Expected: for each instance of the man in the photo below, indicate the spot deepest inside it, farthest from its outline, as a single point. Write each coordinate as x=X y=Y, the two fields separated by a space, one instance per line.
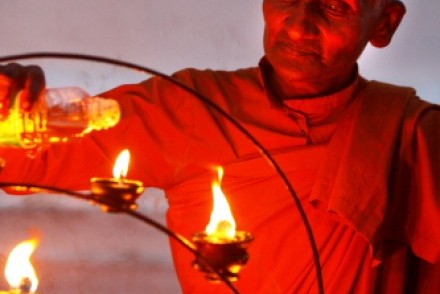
x=363 y=156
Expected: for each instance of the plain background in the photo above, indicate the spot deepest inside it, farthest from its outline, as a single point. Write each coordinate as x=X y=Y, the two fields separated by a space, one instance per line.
x=84 y=251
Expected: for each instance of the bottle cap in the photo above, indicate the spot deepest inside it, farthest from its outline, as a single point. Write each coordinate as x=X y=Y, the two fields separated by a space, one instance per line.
x=102 y=113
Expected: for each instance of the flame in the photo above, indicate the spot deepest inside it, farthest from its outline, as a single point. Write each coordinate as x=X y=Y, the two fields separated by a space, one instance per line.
x=18 y=266
x=222 y=223
x=120 y=169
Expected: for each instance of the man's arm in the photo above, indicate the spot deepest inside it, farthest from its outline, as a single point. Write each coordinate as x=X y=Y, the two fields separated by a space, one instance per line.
x=422 y=154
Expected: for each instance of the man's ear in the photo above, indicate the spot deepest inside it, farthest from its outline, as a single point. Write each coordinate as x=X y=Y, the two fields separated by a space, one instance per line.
x=387 y=24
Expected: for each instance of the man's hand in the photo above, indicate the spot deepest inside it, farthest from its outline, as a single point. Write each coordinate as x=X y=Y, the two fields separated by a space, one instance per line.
x=15 y=78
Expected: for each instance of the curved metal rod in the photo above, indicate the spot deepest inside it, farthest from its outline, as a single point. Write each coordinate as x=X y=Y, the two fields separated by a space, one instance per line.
x=34 y=188
x=260 y=147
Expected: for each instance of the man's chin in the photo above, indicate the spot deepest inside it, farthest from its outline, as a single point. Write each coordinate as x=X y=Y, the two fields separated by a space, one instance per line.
x=303 y=71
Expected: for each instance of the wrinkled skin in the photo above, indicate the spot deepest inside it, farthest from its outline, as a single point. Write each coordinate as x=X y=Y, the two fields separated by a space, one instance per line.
x=313 y=45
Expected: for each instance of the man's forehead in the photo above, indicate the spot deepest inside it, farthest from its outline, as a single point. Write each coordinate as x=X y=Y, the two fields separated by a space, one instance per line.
x=354 y=2
x=367 y=3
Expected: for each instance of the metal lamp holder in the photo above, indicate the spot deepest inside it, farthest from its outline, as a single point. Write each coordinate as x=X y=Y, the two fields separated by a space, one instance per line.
x=203 y=261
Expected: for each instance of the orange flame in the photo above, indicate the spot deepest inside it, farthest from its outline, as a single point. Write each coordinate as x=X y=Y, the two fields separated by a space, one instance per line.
x=120 y=169
x=222 y=223
x=18 y=266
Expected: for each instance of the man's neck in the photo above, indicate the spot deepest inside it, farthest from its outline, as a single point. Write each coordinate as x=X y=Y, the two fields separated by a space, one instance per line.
x=284 y=87
x=289 y=88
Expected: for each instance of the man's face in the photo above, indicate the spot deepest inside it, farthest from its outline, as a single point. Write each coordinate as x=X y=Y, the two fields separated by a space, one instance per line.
x=312 y=39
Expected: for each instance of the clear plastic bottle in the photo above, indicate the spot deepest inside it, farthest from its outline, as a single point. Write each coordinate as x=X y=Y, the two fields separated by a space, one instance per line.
x=60 y=115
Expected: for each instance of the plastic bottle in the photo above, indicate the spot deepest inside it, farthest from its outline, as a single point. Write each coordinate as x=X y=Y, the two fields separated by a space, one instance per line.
x=60 y=115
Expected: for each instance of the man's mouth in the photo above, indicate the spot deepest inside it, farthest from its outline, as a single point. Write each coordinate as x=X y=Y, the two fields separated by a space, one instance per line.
x=300 y=50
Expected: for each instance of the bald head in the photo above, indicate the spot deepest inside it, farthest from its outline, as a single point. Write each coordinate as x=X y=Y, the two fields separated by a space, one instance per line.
x=378 y=4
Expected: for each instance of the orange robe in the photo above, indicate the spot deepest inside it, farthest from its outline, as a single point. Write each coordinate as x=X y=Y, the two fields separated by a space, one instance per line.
x=370 y=191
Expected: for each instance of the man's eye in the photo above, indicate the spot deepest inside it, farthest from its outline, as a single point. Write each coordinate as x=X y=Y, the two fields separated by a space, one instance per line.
x=334 y=7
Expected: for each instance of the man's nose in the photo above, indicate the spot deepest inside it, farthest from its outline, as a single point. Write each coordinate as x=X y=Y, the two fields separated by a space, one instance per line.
x=302 y=21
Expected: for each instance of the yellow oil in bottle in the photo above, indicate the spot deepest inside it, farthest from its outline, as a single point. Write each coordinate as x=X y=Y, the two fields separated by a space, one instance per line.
x=43 y=126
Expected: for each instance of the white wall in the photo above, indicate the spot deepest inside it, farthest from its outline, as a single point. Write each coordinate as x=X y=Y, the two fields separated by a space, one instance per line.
x=413 y=58
x=172 y=34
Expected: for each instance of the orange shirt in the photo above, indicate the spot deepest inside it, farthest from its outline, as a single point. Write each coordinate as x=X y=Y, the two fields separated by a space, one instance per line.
x=176 y=141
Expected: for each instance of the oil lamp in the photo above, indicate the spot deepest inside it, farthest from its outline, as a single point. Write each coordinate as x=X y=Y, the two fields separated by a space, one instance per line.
x=19 y=271
x=220 y=245
x=118 y=191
